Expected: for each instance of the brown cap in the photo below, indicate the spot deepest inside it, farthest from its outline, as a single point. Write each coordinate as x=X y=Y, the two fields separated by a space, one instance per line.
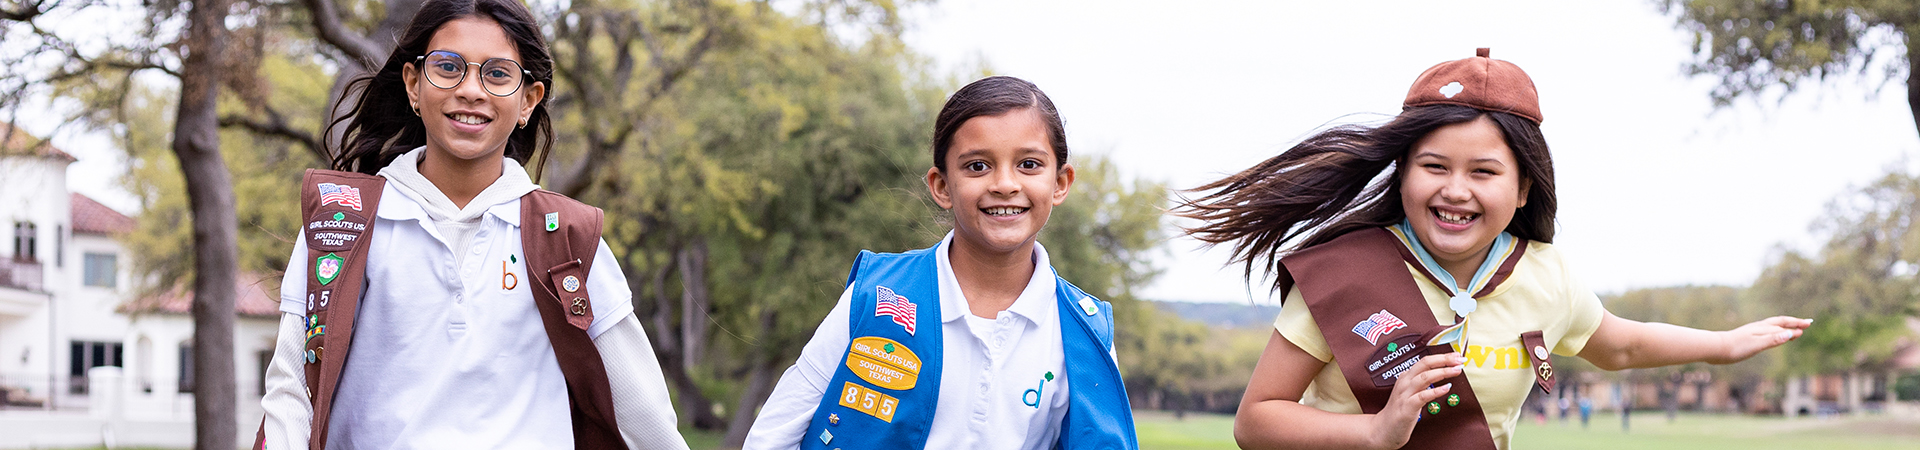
x=1480 y=82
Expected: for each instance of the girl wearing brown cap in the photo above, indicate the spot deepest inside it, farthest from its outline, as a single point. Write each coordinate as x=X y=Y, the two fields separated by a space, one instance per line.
x=1448 y=255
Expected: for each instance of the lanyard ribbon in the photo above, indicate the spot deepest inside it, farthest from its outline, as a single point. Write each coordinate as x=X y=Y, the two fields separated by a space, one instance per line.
x=1461 y=299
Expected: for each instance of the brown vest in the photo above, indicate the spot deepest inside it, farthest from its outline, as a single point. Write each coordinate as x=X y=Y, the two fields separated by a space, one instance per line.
x=1376 y=322
x=340 y=206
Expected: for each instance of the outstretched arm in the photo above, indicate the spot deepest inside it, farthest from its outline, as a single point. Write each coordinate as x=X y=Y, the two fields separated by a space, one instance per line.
x=1629 y=344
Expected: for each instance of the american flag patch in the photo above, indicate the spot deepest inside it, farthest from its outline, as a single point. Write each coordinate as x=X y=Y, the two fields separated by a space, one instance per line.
x=889 y=304
x=345 y=195
x=1377 y=325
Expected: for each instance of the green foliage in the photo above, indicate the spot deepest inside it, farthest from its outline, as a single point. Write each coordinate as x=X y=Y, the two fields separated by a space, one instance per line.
x=1907 y=387
x=1175 y=364
x=784 y=156
x=1861 y=285
x=1751 y=46
x=1104 y=238
x=140 y=119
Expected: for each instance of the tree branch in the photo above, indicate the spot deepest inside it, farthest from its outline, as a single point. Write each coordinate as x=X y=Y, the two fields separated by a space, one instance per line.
x=605 y=139
x=326 y=21
x=277 y=126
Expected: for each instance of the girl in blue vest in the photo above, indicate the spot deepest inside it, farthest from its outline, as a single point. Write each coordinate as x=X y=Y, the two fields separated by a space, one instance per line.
x=974 y=342
x=1452 y=204
x=448 y=348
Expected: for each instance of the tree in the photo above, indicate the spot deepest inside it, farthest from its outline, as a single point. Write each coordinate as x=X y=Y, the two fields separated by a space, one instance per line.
x=195 y=55
x=1753 y=46
x=1861 y=285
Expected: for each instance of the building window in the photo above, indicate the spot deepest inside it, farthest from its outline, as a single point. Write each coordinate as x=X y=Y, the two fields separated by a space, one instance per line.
x=87 y=355
x=265 y=357
x=59 y=245
x=186 y=369
x=101 y=269
x=23 y=234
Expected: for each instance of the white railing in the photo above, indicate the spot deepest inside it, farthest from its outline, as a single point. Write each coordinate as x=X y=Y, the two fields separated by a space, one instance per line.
x=20 y=274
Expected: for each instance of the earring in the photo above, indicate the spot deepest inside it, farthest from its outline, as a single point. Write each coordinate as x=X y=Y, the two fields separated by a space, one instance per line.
x=523 y=124
x=416 y=111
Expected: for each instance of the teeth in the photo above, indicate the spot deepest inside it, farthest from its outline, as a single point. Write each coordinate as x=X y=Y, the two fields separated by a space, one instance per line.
x=468 y=119
x=1004 y=211
x=1455 y=218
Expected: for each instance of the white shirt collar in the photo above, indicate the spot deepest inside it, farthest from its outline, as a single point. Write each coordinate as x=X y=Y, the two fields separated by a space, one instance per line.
x=503 y=194
x=1035 y=302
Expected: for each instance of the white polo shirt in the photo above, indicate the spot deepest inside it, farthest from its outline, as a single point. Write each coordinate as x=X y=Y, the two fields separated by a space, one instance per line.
x=994 y=391
x=452 y=357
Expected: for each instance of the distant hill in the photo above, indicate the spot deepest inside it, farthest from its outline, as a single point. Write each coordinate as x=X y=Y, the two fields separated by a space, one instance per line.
x=1228 y=315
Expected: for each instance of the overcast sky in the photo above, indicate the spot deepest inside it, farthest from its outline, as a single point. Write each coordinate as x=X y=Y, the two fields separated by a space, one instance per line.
x=1656 y=187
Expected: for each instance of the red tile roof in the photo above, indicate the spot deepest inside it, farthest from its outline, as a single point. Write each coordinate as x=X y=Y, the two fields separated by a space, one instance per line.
x=92 y=217
x=16 y=142
x=253 y=300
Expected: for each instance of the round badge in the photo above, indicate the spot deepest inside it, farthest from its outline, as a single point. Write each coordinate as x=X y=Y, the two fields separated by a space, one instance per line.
x=570 y=283
x=1453 y=399
x=1539 y=352
x=1433 y=407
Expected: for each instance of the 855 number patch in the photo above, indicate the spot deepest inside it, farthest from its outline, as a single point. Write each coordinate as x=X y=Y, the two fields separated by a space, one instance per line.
x=869 y=401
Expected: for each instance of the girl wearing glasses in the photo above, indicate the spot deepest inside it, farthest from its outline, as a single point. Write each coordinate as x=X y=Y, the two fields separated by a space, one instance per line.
x=415 y=260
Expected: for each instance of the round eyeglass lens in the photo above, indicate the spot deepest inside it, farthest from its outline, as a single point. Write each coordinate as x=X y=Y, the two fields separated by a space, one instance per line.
x=501 y=77
x=445 y=69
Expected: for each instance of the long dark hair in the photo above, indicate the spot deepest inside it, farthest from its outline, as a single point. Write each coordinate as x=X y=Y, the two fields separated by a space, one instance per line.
x=381 y=126
x=993 y=96
x=1326 y=186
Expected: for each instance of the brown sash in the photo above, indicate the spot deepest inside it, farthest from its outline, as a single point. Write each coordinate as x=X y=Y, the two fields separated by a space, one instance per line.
x=1376 y=322
x=339 y=209
x=340 y=222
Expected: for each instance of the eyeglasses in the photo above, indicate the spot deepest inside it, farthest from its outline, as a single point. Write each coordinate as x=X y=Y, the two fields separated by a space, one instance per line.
x=499 y=76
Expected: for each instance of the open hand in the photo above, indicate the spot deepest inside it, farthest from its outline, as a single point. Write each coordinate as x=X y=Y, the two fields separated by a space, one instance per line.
x=1393 y=425
x=1742 y=343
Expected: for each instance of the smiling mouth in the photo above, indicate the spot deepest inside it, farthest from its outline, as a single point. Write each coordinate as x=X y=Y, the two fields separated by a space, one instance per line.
x=1004 y=211
x=1454 y=219
x=469 y=119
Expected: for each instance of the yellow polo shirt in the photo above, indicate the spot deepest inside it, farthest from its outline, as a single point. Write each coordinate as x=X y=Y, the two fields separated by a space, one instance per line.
x=1541 y=294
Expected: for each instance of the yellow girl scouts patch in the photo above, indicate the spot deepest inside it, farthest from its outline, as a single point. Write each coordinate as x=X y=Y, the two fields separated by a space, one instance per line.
x=883 y=362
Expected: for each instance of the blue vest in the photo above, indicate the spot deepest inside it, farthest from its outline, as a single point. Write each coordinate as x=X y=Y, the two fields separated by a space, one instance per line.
x=883 y=393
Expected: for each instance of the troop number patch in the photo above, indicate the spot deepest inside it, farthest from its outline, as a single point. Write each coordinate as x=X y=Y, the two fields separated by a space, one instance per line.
x=871 y=402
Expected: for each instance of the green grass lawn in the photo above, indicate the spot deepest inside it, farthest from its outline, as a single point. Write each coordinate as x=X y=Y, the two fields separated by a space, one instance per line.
x=1651 y=431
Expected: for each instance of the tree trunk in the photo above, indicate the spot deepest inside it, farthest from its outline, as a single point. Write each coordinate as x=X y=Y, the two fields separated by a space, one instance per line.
x=1913 y=76
x=697 y=409
x=196 y=143
x=693 y=302
x=1893 y=395
x=1670 y=396
x=759 y=386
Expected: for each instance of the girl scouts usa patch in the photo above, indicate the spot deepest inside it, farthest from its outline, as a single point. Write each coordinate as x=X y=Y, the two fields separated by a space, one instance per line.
x=883 y=362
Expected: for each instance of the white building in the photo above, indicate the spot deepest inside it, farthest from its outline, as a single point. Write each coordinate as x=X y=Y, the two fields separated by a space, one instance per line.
x=69 y=302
